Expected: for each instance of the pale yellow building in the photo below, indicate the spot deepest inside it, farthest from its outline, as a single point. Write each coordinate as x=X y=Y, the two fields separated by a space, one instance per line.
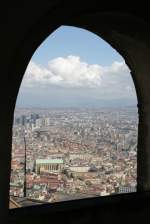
x=49 y=165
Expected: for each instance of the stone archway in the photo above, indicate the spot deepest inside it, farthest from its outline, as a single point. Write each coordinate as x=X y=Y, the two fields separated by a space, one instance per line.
x=120 y=31
x=128 y=35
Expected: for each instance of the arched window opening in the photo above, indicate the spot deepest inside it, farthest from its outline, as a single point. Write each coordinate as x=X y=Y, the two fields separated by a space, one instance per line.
x=75 y=123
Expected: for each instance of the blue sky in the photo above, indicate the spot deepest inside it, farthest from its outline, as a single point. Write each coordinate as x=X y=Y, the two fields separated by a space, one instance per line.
x=68 y=40
x=74 y=67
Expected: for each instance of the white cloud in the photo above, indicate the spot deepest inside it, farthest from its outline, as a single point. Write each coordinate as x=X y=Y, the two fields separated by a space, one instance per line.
x=67 y=72
x=72 y=72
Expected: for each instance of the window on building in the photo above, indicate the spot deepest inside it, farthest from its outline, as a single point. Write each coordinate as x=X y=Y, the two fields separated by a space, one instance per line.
x=75 y=122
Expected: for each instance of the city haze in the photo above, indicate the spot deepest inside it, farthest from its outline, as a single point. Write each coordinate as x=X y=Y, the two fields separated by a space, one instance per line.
x=75 y=122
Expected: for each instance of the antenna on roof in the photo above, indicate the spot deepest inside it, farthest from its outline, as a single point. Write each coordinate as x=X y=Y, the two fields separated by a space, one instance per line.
x=25 y=156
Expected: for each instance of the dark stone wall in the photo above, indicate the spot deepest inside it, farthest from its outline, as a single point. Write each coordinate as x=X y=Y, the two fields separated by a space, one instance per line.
x=129 y=208
x=23 y=27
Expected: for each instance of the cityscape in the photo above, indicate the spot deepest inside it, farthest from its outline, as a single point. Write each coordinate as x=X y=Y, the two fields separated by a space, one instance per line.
x=61 y=154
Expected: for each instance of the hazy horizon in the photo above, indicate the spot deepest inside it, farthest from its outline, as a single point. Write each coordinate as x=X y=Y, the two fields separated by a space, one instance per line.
x=74 y=107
